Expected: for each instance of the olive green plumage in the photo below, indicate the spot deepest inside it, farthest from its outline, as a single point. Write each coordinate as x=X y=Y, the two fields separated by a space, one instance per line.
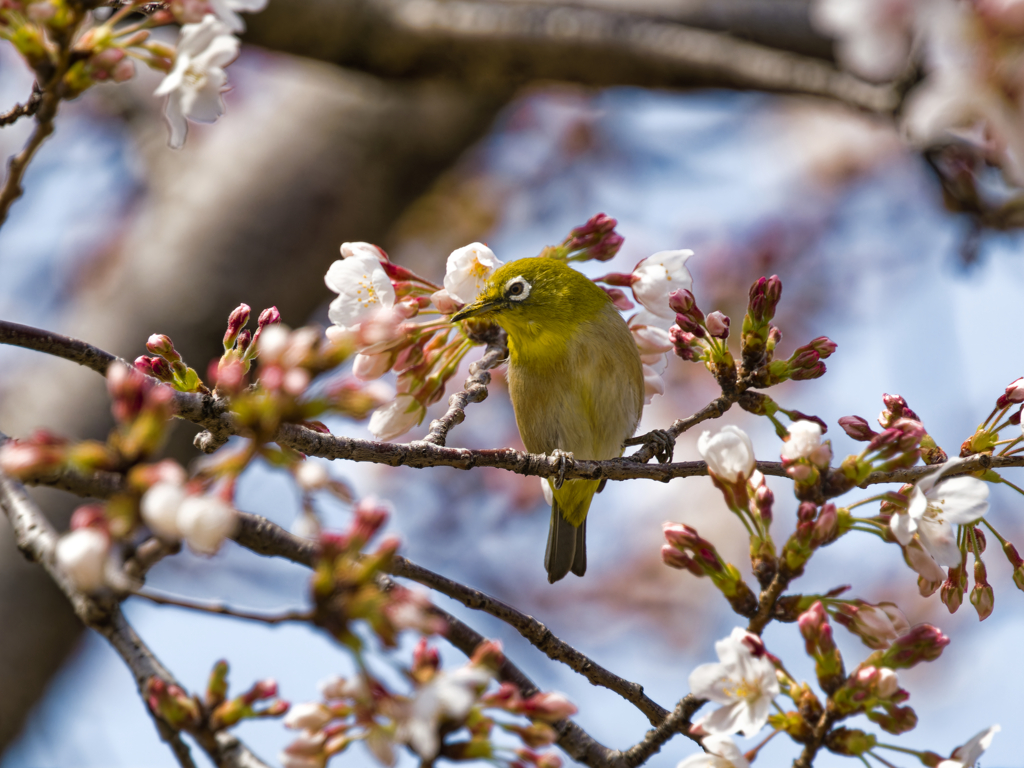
x=575 y=380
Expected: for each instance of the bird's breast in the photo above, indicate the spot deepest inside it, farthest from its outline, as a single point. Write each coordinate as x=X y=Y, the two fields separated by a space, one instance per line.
x=580 y=392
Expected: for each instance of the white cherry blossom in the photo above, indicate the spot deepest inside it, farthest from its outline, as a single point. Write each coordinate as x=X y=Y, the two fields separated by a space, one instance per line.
x=194 y=86
x=227 y=11
x=729 y=453
x=82 y=555
x=657 y=276
x=873 y=37
x=804 y=442
x=447 y=697
x=205 y=521
x=363 y=289
x=396 y=418
x=468 y=270
x=160 y=505
x=722 y=752
x=348 y=250
x=937 y=505
x=742 y=683
x=967 y=755
x=310 y=716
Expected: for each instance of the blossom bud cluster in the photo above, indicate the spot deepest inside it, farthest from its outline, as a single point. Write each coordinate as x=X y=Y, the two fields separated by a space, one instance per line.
x=345 y=585
x=685 y=549
x=258 y=702
x=167 y=366
x=805 y=363
x=820 y=646
x=805 y=456
x=597 y=240
x=763 y=299
x=440 y=703
x=203 y=520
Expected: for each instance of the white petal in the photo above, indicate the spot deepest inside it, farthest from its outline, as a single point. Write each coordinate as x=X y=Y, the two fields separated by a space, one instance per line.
x=921 y=561
x=730 y=718
x=175 y=117
x=206 y=103
x=939 y=539
x=226 y=13
x=903 y=527
x=708 y=681
x=159 y=509
x=363 y=288
x=963 y=499
x=657 y=276
x=396 y=418
x=468 y=270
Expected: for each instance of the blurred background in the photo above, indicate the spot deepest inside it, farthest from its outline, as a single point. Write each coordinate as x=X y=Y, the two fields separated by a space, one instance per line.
x=342 y=128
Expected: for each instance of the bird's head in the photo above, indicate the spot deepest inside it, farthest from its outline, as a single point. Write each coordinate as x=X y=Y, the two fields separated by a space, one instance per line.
x=535 y=291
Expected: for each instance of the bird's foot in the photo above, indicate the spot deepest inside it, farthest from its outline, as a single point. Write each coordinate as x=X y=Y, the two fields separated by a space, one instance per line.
x=660 y=441
x=563 y=457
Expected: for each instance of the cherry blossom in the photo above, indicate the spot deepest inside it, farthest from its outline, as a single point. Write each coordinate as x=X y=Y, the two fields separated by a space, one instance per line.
x=205 y=521
x=363 y=289
x=227 y=11
x=194 y=86
x=967 y=755
x=744 y=684
x=805 y=443
x=449 y=696
x=873 y=37
x=396 y=418
x=310 y=716
x=82 y=555
x=657 y=276
x=160 y=505
x=729 y=453
x=467 y=271
x=722 y=752
x=935 y=507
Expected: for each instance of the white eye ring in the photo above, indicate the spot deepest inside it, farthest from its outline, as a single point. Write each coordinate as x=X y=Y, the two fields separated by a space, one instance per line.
x=521 y=281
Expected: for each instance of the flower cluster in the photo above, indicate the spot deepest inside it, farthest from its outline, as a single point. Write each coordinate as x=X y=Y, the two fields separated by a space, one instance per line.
x=346 y=584
x=397 y=321
x=106 y=50
x=970 y=52
x=215 y=711
x=441 y=702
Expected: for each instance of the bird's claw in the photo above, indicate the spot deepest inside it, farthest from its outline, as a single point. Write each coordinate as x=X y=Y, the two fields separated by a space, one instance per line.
x=563 y=458
x=660 y=441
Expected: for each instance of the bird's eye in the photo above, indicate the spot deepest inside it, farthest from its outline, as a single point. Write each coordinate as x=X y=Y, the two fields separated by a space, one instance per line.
x=517 y=288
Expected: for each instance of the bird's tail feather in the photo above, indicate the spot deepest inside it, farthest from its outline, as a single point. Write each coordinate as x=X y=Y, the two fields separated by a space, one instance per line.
x=567 y=547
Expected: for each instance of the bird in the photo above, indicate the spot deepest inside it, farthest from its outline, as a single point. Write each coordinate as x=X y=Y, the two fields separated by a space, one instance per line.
x=575 y=380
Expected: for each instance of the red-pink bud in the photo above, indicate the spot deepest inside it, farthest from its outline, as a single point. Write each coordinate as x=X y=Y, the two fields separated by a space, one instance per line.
x=681 y=301
x=619 y=298
x=161 y=344
x=857 y=428
x=718 y=325
x=616 y=278
x=236 y=322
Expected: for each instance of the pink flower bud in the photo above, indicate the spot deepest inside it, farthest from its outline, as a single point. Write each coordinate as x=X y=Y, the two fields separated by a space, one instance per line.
x=857 y=428
x=681 y=301
x=619 y=279
x=425 y=657
x=488 y=654
x=763 y=298
x=619 y=298
x=308 y=717
x=236 y=322
x=269 y=316
x=922 y=643
x=549 y=707
x=445 y=304
x=718 y=325
x=370 y=516
x=161 y=344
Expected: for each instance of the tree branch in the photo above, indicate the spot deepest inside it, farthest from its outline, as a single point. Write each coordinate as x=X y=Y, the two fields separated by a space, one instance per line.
x=223 y=610
x=506 y=44
x=260 y=535
x=27 y=109
x=56 y=344
x=37 y=539
x=474 y=391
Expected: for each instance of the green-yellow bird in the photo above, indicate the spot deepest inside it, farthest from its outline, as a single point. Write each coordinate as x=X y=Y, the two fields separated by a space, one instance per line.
x=575 y=378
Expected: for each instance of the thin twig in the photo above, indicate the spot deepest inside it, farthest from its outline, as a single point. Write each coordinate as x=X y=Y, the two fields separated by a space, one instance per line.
x=769 y=597
x=27 y=109
x=474 y=391
x=536 y=633
x=678 y=720
x=37 y=539
x=260 y=535
x=223 y=610
x=713 y=410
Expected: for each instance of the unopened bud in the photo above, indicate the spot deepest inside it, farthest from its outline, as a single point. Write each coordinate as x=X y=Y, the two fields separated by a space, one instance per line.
x=922 y=643
x=718 y=325
x=236 y=322
x=161 y=344
x=857 y=428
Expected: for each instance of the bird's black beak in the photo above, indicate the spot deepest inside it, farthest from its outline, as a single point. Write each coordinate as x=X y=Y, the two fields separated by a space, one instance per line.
x=475 y=309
